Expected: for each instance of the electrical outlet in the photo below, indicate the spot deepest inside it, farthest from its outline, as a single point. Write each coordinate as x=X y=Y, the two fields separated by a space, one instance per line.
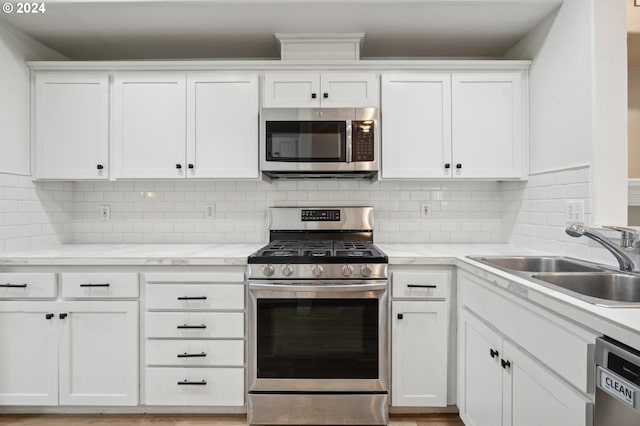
x=210 y=211
x=105 y=213
x=425 y=210
x=574 y=212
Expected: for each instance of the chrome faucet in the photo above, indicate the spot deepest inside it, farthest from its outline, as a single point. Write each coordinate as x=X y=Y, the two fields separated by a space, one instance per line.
x=628 y=248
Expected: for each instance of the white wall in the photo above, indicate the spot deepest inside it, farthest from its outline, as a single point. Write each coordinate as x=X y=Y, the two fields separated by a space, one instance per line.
x=15 y=49
x=578 y=98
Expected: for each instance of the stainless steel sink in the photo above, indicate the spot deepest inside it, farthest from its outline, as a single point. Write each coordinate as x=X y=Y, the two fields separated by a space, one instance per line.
x=537 y=264
x=599 y=288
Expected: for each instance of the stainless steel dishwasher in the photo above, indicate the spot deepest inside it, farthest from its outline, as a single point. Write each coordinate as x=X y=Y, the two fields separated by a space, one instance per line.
x=617 y=384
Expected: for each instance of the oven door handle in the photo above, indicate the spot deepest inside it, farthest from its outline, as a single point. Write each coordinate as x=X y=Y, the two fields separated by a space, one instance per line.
x=320 y=288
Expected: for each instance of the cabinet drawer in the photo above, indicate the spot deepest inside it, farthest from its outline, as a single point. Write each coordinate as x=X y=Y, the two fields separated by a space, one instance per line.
x=195 y=324
x=431 y=285
x=195 y=296
x=196 y=352
x=215 y=386
x=27 y=286
x=99 y=285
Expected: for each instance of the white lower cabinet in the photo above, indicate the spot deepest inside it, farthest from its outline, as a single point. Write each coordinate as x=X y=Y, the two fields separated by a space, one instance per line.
x=502 y=384
x=69 y=353
x=419 y=337
x=194 y=331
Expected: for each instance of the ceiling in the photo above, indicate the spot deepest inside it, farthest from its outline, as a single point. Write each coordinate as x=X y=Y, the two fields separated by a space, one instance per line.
x=160 y=29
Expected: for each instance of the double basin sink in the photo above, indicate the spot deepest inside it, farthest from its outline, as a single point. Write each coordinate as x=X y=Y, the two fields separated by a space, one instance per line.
x=587 y=281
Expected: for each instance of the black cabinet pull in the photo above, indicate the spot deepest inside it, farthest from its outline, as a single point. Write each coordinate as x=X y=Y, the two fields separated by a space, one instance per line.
x=48 y=316
x=493 y=353
x=458 y=166
x=186 y=382
x=9 y=285
x=178 y=166
x=505 y=364
x=422 y=286
x=186 y=355
x=62 y=316
x=95 y=285
x=192 y=298
x=400 y=316
x=192 y=326
x=313 y=96
x=100 y=167
x=325 y=95
x=191 y=166
x=447 y=165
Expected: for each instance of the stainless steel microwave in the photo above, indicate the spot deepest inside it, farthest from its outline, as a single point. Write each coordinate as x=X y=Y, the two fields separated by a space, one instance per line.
x=319 y=142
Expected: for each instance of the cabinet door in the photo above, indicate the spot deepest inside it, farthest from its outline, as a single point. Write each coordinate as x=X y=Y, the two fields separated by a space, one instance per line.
x=149 y=125
x=291 y=90
x=419 y=345
x=479 y=372
x=416 y=125
x=349 y=90
x=534 y=396
x=487 y=125
x=222 y=111
x=71 y=126
x=28 y=354
x=99 y=353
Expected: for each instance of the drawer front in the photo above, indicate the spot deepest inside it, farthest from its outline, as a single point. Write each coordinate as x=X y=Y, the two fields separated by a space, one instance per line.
x=227 y=353
x=194 y=277
x=205 y=386
x=195 y=296
x=201 y=325
x=28 y=286
x=425 y=285
x=99 y=285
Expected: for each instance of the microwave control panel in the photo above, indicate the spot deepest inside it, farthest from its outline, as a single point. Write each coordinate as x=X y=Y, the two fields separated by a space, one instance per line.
x=363 y=143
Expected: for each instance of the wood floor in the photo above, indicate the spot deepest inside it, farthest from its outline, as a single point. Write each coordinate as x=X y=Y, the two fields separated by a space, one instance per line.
x=189 y=420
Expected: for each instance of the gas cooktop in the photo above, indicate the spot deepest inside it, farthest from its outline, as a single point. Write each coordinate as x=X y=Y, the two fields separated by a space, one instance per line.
x=318 y=251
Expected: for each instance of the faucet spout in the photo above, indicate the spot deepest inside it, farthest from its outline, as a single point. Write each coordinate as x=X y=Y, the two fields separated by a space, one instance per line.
x=575 y=230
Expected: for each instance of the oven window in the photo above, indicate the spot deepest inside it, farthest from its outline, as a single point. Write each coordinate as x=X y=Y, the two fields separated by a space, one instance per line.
x=317 y=338
x=306 y=141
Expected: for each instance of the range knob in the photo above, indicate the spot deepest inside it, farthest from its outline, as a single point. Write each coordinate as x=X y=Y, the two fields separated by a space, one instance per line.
x=317 y=270
x=268 y=270
x=347 y=270
x=365 y=270
x=287 y=270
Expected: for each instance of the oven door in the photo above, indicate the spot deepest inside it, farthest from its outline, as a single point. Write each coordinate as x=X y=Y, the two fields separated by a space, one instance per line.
x=318 y=337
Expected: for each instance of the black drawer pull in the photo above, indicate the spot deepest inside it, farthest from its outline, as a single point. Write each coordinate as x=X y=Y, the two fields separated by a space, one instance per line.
x=95 y=285
x=505 y=364
x=458 y=166
x=100 y=167
x=9 y=285
x=192 y=298
x=493 y=353
x=192 y=326
x=48 y=316
x=325 y=95
x=186 y=382
x=313 y=96
x=422 y=286
x=400 y=316
x=62 y=316
x=447 y=165
x=186 y=355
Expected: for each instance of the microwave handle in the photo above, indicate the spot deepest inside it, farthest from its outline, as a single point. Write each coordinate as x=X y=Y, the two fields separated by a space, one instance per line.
x=349 y=147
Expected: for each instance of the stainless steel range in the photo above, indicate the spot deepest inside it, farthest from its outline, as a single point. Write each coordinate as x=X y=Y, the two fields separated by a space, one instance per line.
x=318 y=320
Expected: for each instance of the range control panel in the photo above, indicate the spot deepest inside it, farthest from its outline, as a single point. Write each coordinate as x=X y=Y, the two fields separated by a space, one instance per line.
x=320 y=215
x=363 y=143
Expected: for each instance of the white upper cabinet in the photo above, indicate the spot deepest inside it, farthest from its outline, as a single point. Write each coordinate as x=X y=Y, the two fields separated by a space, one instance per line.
x=222 y=125
x=416 y=125
x=314 y=90
x=149 y=124
x=71 y=126
x=461 y=125
x=487 y=116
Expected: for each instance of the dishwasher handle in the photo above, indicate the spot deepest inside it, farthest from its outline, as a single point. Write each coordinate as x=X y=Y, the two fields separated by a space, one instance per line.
x=618 y=387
